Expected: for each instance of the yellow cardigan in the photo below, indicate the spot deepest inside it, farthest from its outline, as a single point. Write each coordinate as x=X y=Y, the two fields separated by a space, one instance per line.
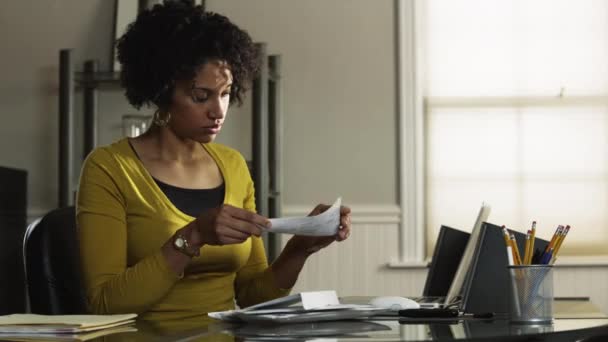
x=124 y=219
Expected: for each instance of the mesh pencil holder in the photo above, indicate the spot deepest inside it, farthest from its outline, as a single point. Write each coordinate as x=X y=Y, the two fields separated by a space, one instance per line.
x=531 y=294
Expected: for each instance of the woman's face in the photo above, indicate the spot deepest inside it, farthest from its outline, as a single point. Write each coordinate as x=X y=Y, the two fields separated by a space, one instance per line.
x=199 y=107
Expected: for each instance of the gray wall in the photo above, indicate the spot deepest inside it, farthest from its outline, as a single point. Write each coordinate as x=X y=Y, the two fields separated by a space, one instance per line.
x=339 y=93
x=32 y=32
x=339 y=84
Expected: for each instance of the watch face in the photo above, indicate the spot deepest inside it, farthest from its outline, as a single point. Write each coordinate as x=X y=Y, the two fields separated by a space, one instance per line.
x=179 y=242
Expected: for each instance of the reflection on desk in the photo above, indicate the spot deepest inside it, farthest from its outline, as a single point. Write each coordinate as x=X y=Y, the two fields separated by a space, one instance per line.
x=582 y=322
x=196 y=330
x=308 y=330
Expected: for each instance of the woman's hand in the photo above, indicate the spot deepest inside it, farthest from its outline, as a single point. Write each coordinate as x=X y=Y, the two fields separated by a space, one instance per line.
x=312 y=244
x=226 y=225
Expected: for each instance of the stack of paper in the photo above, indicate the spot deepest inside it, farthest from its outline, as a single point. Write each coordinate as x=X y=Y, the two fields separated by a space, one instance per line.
x=27 y=327
x=316 y=306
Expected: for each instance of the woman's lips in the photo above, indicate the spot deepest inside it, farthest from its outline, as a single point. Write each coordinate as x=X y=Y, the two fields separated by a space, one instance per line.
x=212 y=129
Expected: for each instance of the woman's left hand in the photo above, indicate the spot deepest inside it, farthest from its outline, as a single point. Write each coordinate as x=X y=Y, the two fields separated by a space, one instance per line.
x=312 y=244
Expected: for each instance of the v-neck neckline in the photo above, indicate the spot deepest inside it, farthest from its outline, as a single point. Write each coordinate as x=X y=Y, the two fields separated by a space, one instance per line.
x=154 y=186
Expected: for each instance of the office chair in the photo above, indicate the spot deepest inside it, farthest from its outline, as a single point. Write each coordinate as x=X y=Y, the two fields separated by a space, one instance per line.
x=52 y=264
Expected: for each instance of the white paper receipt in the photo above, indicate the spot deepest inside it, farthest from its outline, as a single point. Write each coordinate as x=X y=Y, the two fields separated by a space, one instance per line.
x=325 y=224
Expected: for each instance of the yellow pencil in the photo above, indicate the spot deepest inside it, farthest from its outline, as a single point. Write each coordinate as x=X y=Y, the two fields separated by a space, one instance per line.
x=505 y=235
x=515 y=250
x=510 y=252
x=527 y=250
x=532 y=240
x=554 y=238
x=559 y=243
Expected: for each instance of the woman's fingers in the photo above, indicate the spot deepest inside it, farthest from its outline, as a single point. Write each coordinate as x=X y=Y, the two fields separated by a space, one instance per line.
x=243 y=227
x=248 y=216
x=345 y=224
x=230 y=232
x=344 y=210
x=235 y=225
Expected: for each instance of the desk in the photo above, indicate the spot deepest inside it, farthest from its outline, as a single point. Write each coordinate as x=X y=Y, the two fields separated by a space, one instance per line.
x=588 y=323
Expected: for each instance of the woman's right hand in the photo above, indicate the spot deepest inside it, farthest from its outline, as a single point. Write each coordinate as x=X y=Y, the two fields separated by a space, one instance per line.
x=227 y=224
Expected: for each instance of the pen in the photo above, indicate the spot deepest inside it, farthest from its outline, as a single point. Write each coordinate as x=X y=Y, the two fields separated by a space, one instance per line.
x=427 y=313
x=546 y=257
x=442 y=313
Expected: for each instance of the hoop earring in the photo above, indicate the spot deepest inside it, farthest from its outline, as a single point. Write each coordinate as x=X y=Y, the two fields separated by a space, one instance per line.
x=161 y=122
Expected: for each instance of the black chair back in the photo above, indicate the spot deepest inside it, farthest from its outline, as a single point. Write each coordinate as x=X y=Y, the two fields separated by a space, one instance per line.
x=52 y=265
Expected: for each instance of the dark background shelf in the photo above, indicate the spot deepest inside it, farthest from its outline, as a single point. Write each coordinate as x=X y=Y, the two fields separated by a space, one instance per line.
x=95 y=77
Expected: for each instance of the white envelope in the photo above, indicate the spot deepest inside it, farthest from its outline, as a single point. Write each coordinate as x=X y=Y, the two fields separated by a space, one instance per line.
x=325 y=224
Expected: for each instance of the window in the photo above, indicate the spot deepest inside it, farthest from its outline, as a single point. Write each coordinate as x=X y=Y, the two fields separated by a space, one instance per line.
x=514 y=112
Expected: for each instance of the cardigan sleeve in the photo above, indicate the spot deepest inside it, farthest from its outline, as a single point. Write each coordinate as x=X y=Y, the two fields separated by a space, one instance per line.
x=111 y=286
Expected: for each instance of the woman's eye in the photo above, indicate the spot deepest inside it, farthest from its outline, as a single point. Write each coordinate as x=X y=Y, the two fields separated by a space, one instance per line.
x=199 y=95
x=226 y=94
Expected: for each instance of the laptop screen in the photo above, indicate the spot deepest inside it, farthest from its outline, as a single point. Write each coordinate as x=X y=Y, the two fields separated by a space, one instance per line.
x=449 y=249
x=465 y=263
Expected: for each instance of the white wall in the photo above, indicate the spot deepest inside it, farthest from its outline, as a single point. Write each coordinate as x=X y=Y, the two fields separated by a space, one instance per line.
x=339 y=85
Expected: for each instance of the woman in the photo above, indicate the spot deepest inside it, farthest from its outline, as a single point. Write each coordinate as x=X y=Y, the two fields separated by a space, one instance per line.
x=167 y=220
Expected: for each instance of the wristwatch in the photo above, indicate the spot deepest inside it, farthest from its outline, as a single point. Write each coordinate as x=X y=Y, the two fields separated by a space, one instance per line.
x=180 y=244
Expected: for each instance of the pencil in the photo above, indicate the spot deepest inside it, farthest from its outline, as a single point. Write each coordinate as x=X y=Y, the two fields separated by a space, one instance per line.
x=505 y=235
x=553 y=240
x=559 y=243
x=532 y=240
x=551 y=244
x=510 y=253
x=515 y=250
x=527 y=249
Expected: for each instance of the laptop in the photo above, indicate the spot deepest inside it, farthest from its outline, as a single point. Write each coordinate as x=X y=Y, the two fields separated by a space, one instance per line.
x=449 y=247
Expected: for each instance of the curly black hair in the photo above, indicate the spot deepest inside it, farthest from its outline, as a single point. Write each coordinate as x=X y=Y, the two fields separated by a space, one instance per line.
x=170 y=41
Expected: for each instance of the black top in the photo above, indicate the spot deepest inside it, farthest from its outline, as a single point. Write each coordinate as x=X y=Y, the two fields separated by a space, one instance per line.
x=190 y=201
x=193 y=201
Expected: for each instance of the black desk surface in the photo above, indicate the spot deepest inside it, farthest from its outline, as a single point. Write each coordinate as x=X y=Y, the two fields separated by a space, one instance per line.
x=575 y=321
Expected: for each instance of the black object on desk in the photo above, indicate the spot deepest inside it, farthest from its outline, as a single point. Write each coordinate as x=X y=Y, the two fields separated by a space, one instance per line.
x=429 y=313
x=449 y=249
x=486 y=287
x=13 y=204
x=439 y=315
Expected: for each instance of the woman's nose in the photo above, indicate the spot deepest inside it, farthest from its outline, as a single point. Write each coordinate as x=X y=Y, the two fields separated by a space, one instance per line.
x=216 y=110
